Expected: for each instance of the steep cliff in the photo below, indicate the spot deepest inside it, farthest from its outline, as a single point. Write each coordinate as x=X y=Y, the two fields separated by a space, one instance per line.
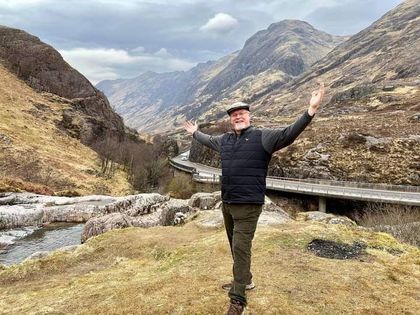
x=43 y=68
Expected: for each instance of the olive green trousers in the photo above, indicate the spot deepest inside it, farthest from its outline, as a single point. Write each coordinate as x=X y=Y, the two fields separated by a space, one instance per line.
x=240 y=223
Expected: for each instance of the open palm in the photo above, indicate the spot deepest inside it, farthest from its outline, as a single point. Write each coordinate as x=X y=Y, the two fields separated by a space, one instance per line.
x=190 y=127
x=316 y=99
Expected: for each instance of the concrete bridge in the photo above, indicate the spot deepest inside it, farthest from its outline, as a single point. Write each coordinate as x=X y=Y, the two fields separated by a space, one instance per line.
x=396 y=194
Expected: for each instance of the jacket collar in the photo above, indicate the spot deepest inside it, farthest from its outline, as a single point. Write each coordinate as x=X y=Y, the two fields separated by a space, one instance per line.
x=243 y=131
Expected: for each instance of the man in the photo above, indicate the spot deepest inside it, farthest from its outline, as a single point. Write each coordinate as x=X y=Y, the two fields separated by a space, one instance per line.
x=245 y=154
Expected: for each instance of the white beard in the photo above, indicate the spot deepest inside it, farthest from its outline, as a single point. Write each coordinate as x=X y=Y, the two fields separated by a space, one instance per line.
x=240 y=126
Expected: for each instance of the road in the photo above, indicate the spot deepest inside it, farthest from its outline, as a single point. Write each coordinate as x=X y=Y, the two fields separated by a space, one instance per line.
x=406 y=195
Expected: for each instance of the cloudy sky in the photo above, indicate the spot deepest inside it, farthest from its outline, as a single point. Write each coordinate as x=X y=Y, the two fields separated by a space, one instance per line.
x=110 y=39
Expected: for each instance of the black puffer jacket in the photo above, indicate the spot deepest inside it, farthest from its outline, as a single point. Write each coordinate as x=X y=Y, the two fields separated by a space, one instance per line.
x=245 y=158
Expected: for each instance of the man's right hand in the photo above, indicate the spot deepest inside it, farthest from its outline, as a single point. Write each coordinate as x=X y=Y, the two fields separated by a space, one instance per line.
x=190 y=127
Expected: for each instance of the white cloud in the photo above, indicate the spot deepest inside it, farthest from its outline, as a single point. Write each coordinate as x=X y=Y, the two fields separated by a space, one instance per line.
x=221 y=22
x=139 y=49
x=163 y=53
x=107 y=64
x=120 y=27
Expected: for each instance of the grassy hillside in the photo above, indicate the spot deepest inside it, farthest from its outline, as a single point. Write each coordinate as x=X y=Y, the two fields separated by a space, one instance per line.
x=35 y=155
x=179 y=270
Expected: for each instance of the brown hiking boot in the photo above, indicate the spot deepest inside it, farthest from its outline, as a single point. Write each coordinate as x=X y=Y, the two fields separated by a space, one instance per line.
x=228 y=286
x=236 y=308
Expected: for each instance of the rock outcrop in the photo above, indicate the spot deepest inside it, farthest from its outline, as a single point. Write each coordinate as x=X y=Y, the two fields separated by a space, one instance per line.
x=163 y=214
x=205 y=201
x=25 y=209
x=90 y=117
x=324 y=218
x=105 y=213
x=271 y=214
x=18 y=216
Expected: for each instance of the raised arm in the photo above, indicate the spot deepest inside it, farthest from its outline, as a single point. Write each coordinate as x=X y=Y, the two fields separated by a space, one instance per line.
x=275 y=139
x=213 y=142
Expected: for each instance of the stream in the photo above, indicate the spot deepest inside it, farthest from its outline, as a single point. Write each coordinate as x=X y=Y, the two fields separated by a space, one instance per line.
x=18 y=244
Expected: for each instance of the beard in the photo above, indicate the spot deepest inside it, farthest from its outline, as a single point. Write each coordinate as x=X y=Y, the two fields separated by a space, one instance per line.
x=240 y=126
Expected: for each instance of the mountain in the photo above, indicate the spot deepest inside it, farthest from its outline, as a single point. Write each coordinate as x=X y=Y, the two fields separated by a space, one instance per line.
x=141 y=99
x=368 y=127
x=90 y=117
x=155 y=102
x=48 y=113
x=288 y=47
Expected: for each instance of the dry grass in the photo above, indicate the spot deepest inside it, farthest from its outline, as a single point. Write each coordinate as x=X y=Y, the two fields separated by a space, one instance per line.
x=35 y=153
x=403 y=222
x=179 y=270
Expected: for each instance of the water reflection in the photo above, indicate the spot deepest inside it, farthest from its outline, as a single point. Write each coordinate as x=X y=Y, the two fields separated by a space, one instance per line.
x=48 y=238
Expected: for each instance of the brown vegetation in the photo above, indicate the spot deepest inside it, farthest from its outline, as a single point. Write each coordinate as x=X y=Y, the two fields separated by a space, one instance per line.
x=181 y=186
x=37 y=156
x=179 y=270
x=403 y=222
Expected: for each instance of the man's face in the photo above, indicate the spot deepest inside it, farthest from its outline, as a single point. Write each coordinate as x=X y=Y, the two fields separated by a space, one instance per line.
x=240 y=119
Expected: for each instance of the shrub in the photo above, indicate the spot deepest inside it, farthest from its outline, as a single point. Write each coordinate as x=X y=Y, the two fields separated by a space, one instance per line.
x=403 y=222
x=181 y=186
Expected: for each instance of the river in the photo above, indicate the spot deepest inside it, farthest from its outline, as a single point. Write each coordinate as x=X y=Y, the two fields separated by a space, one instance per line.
x=18 y=244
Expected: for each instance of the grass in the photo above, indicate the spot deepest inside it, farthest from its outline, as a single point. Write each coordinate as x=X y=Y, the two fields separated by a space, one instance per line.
x=179 y=270
x=403 y=222
x=35 y=140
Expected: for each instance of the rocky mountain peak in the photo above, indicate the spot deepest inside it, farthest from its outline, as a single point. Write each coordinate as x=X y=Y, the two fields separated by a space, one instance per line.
x=290 y=46
x=297 y=27
x=268 y=60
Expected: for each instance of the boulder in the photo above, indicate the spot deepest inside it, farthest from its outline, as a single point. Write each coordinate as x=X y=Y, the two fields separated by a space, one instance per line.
x=203 y=201
x=273 y=218
x=324 y=218
x=148 y=220
x=210 y=219
x=166 y=213
x=99 y=225
x=20 y=215
x=173 y=206
x=137 y=204
x=71 y=213
x=214 y=219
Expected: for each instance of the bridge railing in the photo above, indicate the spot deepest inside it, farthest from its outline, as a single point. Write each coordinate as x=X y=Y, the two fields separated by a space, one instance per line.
x=182 y=167
x=206 y=178
x=376 y=186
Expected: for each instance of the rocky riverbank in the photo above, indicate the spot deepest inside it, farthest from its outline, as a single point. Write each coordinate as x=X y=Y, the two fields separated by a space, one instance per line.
x=104 y=213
